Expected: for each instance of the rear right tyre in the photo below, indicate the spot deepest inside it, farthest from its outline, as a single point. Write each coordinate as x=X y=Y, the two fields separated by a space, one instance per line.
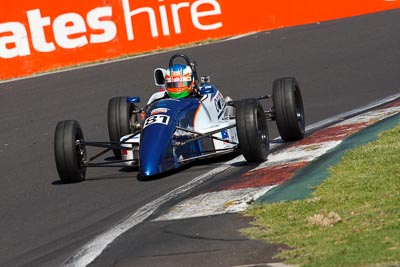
x=288 y=109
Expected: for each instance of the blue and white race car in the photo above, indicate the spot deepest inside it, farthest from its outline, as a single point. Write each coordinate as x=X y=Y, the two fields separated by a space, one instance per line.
x=169 y=132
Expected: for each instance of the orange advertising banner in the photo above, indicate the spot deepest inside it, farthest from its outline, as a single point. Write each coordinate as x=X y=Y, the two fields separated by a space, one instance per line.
x=41 y=35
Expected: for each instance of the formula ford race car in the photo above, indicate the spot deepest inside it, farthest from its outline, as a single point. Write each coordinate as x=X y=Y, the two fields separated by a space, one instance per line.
x=169 y=132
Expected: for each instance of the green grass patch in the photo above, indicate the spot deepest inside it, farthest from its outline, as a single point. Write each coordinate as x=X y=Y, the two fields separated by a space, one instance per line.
x=352 y=219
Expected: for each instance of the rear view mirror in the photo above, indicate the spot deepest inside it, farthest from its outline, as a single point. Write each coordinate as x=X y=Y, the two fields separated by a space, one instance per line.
x=134 y=99
x=205 y=80
x=159 y=76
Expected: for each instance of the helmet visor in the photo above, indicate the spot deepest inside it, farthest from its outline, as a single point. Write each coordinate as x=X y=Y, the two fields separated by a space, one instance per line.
x=179 y=85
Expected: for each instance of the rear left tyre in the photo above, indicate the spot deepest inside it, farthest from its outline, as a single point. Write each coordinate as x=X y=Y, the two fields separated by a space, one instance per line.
x=252 y=130
x=70 y=152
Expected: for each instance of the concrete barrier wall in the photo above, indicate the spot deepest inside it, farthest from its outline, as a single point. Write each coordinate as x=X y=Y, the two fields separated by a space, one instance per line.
x=39 y=35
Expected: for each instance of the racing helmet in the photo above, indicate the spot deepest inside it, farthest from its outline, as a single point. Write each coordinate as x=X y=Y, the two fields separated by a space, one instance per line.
x=179 y=81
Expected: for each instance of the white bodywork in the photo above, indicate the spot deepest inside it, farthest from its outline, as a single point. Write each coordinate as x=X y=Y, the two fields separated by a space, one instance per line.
x=214 y=114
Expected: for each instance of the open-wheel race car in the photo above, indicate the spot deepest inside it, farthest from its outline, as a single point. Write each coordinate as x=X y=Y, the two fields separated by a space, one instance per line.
x=187 y=120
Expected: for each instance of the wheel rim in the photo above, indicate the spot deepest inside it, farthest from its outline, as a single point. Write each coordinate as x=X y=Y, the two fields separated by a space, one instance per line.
x=80 y=155
x=264 y=138
x=262 y=132
x=299 y=107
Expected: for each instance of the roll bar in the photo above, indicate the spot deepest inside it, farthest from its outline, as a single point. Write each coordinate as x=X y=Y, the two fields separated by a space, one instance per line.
x=190 y=63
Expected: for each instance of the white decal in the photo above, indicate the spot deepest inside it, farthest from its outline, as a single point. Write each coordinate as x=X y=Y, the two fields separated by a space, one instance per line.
x=198 y=10
x=107 y=30
x=163 y=119
x=70 y=30
x=37 y=32
x=159 y=110
x=14 y=44
x=219 y=102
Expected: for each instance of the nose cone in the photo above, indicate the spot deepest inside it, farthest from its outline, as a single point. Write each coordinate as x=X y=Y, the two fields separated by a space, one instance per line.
x=156 y=158
x=156 y=152
x=149 y=168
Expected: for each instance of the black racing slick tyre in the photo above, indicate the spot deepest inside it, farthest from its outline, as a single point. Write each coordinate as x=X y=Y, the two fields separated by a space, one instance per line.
x=70 y=152
x=120 y=120
x=252 y=130
x=288 y=109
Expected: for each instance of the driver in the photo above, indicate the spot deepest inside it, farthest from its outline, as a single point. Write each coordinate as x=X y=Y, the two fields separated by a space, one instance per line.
x=179 y=81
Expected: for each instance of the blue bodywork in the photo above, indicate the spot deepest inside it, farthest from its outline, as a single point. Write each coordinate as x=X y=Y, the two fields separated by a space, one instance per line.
x=157 y=152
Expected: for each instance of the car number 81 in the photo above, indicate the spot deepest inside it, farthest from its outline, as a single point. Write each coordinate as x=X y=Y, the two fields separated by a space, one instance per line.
x=163 y=119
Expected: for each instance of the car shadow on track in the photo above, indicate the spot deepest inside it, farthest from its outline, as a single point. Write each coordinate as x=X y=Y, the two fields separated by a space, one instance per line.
x=113 y=176
x=133 y=172
x=199 y=163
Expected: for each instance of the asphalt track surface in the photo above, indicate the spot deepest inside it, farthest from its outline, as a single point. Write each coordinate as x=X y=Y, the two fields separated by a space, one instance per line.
x=340 y=65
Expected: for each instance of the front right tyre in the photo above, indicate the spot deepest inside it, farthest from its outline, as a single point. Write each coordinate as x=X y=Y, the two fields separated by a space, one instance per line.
x=252 y=130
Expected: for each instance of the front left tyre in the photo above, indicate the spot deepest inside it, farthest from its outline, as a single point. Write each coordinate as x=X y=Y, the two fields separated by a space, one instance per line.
x=70 y=151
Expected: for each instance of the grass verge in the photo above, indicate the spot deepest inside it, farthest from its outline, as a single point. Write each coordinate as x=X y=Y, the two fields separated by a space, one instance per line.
x=352 y=219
